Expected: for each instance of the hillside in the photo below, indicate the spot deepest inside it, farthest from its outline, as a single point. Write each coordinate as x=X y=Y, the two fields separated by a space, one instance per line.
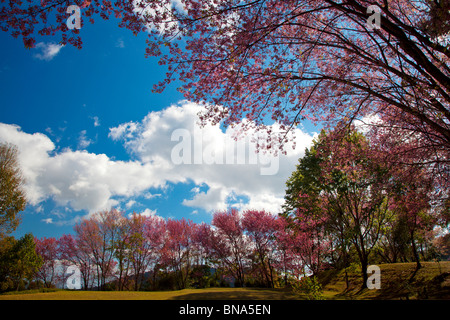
x=432 y=281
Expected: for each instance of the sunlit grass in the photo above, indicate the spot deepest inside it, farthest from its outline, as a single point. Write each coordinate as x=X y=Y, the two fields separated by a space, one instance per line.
x=185 y=294
x=430 y=282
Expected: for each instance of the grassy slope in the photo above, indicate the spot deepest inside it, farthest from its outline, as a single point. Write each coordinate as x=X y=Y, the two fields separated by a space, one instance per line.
x=432 y=281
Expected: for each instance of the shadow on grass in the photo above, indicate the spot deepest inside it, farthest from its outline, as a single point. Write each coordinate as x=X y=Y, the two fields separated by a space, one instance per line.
x=240 y=294
x=428 y=282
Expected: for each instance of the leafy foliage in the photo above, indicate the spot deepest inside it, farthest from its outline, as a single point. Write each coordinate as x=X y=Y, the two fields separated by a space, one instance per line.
x=19 y=262
x=12 y=195
x=310 y=287
x=286 y=60
x=253 y=62
x=347 y=194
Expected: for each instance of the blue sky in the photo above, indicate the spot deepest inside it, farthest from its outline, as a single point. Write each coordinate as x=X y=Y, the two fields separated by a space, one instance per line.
x=92 y=135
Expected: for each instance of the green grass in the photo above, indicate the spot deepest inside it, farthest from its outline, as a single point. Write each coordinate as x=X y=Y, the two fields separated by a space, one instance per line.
x=430 y=282
x=185 y=294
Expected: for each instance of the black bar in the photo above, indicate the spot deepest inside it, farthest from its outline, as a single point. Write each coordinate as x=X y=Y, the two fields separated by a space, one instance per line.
x=220 y=309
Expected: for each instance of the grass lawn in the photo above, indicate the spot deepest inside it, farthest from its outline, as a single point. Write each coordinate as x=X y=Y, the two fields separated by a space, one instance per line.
x=430 y=282
x=185 y=294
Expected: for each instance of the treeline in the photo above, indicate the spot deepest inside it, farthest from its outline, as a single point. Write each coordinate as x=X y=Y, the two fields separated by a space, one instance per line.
x=137 y=252
x=254 y=248
x=18 y=259
x=349 y=203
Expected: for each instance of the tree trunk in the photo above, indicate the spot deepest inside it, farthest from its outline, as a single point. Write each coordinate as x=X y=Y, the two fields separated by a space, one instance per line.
x=364 y=264
x=415 y=253
x=416 y=257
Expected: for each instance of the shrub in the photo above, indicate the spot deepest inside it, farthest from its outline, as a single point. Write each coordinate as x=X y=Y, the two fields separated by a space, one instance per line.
x=310 y=287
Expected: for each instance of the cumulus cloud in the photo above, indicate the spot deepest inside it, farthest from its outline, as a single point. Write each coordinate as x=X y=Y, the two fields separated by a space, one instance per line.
x=148 y=212
x=224 y=172
x=124 y=130
x=77 y=179
x=130 y=203
x=185 y=152
x=211 y=200
x=47 y=51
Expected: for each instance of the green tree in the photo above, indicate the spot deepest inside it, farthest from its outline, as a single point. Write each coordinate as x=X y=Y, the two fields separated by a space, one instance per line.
x=305 y=179
x=6 y=263
x=12 y=196
x=342 y=183
x=19 y=262
x=26 y=261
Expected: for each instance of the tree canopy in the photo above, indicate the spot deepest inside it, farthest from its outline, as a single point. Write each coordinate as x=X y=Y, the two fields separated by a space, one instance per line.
x=284 y=60
x=12 y=195
x=343 y=189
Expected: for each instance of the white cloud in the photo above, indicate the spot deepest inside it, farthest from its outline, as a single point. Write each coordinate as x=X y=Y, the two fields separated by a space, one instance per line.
x=77 y=179
x=148 y=212
x=155 y=11
x=150 y=140
x=149 y=195
x=364 y=124
x=81 y=180
x=120 y=43
x=48 y=51
x=96 y=121
x=124 y=130
x=130 y=203
x=212 y=200
x=48 y=220
x=83 y=140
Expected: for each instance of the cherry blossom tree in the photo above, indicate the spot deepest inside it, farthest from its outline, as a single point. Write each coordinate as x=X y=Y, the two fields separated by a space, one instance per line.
x=178 y=249
x=122 y=246
x=288 y=262
x=98 y=235
x=156 y=236
x=261 y=227
x=285 y=61
x=229 y=243
x=145 y=242
x=412 y=201
x=355 y=193
x=48 y=249
x=312 y=243
x=75 y=251
x=201 y=243
x=349 y=202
